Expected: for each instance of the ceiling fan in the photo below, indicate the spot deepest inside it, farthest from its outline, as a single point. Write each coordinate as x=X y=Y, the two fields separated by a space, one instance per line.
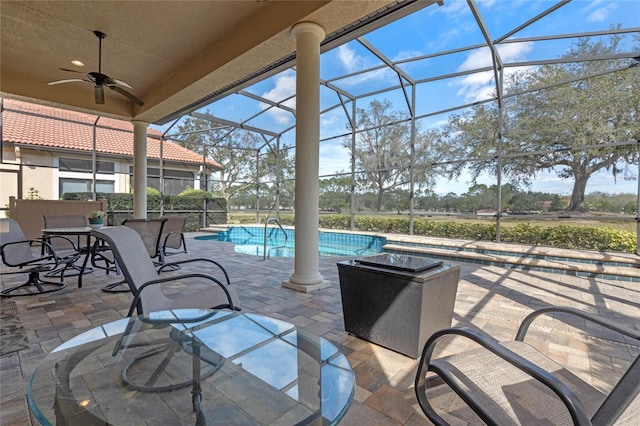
x=100 y=80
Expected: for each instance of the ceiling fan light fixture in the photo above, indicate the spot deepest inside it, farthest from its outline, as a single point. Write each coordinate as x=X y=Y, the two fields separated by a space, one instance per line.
x=77 y=63
x=99 y=94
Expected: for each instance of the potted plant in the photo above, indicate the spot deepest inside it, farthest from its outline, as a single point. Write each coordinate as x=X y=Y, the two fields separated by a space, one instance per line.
x=96 y=219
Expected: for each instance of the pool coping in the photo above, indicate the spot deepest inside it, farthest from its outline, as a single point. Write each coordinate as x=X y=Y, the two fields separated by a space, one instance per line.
x=588 y=263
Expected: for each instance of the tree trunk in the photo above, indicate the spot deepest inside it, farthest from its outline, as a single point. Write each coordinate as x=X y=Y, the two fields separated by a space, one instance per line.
x=379 y=204
x=577 y=195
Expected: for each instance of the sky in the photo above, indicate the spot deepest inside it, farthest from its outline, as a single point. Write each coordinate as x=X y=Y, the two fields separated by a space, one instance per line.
x=430 y=30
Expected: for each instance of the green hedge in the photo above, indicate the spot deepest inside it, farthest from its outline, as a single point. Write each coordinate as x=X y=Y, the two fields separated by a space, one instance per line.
x=561 y=236
x=120 y=207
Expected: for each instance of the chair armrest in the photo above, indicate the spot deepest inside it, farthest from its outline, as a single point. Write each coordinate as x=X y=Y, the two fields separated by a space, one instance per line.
x=45 y=246
x=59 y=237
x=201 y=259
x=136 y=298
x=96 y=254
x=564 y=393
x=524 y=326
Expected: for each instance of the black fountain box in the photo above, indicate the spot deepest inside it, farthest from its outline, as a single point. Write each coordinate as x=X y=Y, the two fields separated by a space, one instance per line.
x=400 y=262
x=397 y=301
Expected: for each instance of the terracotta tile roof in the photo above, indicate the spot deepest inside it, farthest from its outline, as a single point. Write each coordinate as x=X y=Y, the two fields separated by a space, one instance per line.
x=34 y=125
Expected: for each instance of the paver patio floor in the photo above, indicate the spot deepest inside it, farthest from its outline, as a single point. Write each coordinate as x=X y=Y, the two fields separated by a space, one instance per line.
x=489 y=298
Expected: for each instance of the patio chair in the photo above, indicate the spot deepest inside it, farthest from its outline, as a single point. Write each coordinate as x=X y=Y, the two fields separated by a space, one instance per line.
x=172 y=240
x=147 y=287
x=17 y=251
x=508 y=383
x=68 y=250
x=146 y=284
x=150 y=230
x=67 y=221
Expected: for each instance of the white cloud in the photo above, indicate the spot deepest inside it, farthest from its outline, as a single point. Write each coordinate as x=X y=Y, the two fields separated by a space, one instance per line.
x=352 y=62
x=407 y=54
x=487 y=3
x=481 y=85
x=599 y=15
x=599 y=10
x=327 y=120
x=349 y=59
x=285 y=86
x=452 y=8
x=334 y=157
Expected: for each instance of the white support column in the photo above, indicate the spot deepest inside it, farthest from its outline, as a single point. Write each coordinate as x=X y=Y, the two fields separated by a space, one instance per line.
x=306 y=276
x=140 y=169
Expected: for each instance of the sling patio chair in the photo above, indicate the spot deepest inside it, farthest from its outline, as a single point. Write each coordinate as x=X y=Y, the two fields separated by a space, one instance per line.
x=31 y=256
x=153 y=293
x=512 y=383
x=150 y=230
x=68 y=249
x=146 y=284
x=172 y=240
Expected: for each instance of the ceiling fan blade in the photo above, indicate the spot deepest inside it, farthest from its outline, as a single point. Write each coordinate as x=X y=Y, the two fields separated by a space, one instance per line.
x=110 y=81
x=68 y=70
x=68 y=80
x=127 y=94
x=100 y=80
x=98 y=92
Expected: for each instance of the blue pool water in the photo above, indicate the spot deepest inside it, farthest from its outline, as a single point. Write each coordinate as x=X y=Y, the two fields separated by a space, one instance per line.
x=250 y=240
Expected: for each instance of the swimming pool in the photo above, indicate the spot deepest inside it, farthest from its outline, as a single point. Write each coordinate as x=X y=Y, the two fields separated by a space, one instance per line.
x=250 y=240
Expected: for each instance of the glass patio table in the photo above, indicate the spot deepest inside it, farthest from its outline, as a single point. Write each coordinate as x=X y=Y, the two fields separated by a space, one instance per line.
x=193 y=366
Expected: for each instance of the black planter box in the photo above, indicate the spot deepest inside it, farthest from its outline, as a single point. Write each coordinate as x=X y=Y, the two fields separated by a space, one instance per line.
x=397 y=301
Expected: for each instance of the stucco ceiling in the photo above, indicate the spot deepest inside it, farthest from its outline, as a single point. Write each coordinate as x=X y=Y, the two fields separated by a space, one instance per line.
x=173 y=53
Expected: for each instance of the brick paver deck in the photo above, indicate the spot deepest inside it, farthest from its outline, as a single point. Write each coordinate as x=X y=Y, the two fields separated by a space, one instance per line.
x=489 y=298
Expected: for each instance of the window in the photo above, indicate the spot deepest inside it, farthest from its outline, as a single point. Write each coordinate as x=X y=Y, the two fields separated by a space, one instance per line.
x=80 y=165
x=175 y=181
x=84 y=185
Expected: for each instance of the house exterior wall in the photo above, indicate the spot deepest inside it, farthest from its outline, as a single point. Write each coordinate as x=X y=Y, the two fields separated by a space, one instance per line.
x=40 y=170
x=9 y=172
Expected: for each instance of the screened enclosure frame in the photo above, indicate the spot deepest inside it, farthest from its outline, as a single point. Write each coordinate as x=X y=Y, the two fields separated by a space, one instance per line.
x=348 y=102
x=408 y=85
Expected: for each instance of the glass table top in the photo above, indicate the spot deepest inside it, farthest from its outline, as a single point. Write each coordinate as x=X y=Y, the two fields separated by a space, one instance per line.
x=189 y=365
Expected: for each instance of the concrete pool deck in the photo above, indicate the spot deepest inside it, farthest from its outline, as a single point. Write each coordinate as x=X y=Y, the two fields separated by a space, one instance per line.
x=616 y=266
x=489 y=298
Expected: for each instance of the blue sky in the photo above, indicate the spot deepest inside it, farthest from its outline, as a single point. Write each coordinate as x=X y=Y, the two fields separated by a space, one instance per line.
x=435 y=29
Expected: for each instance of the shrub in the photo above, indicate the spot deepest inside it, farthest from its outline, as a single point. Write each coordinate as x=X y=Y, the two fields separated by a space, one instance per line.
x=561 y=236
x=152 y=191
x=190 y=192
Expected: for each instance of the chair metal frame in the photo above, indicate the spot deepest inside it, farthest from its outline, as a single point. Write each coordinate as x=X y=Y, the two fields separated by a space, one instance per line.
x=68 y=251
x=18 y=251
x=625 y=392
x=172 y=240
x=151 y=242
x=126 y=247
x=145 y=283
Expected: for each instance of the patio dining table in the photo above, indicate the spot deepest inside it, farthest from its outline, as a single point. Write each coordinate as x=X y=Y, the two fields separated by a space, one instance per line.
x=193 y=366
